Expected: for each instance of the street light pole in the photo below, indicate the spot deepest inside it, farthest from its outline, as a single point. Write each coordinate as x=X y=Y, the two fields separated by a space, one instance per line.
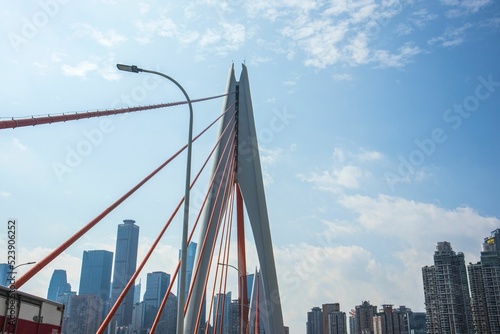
x=182 y=275
x=11 y=270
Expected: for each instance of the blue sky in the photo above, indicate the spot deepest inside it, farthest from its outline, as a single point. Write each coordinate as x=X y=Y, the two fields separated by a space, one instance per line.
x=377 y=125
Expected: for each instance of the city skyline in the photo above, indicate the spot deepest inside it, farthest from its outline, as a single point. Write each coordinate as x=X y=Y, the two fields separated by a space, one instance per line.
x=377 y=123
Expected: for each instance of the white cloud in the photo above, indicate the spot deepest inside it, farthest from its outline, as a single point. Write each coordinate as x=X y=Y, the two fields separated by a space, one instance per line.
x=421 y=17
x=223 y=38
x=269 y=157
x=319 y=38
x=364 y=155
x=144 y=7
x=5 y=194
x=342 y=77
x=18 y=145
x=347 y=173
x=393 y=216
x=339 y=154
x=81 y=70
x=452 y=36
x=463 y=7
x=404 y=56
x=357 y=49
x=337 y=179
x=345 y=31
x=310 y=273
x=163 y=27
x=107 y=39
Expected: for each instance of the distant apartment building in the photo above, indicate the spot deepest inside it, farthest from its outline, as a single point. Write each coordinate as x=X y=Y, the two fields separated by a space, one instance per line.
x=446 y=292
x=334 y=321
x=485 y=287
x=414 y=322
x=168 y=320
x=361 y=318
x=389 y=321
x=85 y=315
x=314 y=323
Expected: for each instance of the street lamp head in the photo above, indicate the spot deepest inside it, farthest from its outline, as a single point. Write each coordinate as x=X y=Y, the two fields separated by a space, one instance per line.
x=128 y=68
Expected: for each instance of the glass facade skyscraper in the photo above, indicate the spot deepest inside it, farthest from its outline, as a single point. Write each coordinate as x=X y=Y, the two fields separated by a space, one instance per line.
x=95 y=277
x=191 y=253
x=127 y=241
x=58 y=284
x=156 y=288
x=314 y=323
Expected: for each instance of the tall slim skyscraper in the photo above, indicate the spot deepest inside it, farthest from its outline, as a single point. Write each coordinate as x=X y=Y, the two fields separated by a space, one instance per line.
x=446 y=292
x=95 y=277
x=156 y=288
x=191 y=253
x=58 y=284
x=127 y=241
x=485 y=287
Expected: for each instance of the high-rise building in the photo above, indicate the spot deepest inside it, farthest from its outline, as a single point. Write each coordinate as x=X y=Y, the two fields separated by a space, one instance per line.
x=58 y=284
x=137 y=313
x=95 y=277
x=334 y=321
x=485 y=287
x=234 y=317
x=85 y=315
x=414 y=322
x=389 y=321
x=221 y=311
x=127 y=241
x=191 y=253
x=446 y=292
x=137 y=293
x=249 y=285
x=361 y=318
x=156 y=288
x=314 y=323
x=65 y=299
x=168 y=317
x=328 y=309
x=4 y=274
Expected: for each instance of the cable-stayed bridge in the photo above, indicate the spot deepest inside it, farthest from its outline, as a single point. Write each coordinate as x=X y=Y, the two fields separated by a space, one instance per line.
x=235 y=191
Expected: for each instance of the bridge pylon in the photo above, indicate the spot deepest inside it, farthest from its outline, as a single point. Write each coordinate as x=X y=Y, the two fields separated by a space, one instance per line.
x=250 y=182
